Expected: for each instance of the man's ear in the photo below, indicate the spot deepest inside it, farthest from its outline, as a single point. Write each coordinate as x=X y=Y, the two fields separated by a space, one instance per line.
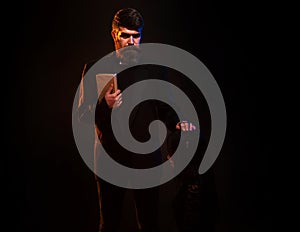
x=113 y=35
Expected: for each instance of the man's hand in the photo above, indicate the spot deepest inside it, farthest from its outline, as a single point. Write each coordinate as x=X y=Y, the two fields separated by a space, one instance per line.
x=113 y=99
x=185 y=126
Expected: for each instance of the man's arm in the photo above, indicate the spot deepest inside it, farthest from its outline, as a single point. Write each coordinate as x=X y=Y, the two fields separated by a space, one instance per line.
x=86 y=96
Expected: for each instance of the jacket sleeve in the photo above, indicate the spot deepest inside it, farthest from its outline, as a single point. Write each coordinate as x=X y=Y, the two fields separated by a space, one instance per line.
x=166 y=113
x=88 y=105
x=85 y=103
x=168 y=116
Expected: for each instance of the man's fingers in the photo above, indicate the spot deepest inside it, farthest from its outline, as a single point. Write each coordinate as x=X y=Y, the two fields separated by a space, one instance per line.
x=118 y=97
x=109 y=89
x=186 y=126
x=192 y=127
x=117 y=103
x=115 y=94
x=113 y=99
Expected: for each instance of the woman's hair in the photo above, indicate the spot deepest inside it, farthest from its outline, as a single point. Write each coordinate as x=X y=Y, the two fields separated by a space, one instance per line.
x=129 y=18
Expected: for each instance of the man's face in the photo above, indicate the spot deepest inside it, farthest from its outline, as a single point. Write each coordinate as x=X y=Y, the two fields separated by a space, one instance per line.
x=125 y=37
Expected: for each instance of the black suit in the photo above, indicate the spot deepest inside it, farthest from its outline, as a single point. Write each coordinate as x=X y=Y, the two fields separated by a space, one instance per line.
x=143 y=114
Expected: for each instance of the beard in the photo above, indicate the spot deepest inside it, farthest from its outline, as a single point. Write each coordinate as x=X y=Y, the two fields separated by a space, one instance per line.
x=130 y=55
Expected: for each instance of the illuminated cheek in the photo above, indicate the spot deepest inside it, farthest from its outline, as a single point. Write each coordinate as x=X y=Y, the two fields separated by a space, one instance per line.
x=137 y=41
x=122 y=43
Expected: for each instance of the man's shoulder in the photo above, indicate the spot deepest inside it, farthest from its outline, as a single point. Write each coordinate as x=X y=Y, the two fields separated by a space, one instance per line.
x=89 y=63
x=103 y=63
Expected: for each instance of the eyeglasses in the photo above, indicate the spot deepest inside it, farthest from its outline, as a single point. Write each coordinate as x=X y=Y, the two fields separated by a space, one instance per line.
x=126 y=35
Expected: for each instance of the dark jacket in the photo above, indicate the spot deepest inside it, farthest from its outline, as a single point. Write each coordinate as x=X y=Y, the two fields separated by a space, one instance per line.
x=140 y=118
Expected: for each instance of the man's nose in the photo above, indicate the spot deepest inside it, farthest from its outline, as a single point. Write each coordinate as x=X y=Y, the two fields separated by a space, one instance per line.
x=131 y=40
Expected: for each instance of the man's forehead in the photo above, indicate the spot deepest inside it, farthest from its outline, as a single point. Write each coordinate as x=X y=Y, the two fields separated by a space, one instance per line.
x=126 y=30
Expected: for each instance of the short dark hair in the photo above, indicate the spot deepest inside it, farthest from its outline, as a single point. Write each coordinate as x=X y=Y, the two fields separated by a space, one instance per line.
x=129 y=18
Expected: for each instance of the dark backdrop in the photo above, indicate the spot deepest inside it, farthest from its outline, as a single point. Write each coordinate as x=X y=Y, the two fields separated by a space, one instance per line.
x=50 y=188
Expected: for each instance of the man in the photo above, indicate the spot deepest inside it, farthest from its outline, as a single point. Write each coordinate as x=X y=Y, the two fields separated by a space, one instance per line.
x=127 y=26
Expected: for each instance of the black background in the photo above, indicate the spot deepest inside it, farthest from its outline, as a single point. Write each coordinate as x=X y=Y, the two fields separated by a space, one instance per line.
x=50 y=188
